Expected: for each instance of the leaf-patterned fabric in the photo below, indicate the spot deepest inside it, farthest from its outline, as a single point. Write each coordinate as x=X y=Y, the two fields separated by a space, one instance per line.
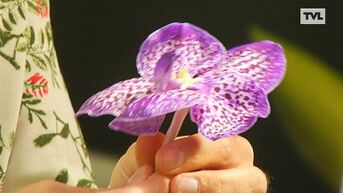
x=39 y=136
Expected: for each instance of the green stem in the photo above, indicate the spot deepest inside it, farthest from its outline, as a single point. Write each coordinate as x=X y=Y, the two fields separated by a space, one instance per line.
x=58 y=118
x=32 y=51
x=15 y=50
x=10 y=60
x=80 y=155
x=175 y=126
x=75 y=140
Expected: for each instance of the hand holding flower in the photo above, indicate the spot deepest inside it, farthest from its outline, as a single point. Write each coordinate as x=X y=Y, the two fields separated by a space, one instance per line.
x=185 y=69
x=194 y=164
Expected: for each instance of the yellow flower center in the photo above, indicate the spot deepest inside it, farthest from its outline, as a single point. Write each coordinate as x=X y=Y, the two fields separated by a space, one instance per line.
x=184 y=78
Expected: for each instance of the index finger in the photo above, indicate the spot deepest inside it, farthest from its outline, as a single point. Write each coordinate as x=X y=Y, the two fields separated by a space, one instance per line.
x=196 y=152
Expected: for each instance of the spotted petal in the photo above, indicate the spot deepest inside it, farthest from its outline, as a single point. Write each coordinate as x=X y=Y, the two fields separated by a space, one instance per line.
x=263 y=61
x=161 y=103
x=240 y=92
x=216 y=120
x=195 y=50
x=233 y=104
x=117 y=97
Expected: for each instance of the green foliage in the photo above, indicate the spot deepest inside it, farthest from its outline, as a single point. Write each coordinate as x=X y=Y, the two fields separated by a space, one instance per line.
x=21 y=47
x=39 y=62
x=28 y=102
x=9 y=143
x=1 y=141
x=2 y=173
x=6 y=25
x=32 y=7
x=85 y=183
x=309 y=101
x=12 y=19
x=41 y=52
x=5 y=37
x=77 y=140
x=21 y=12
x=11 y=138
x=27 y=96
x=62 y=176
x=33 y=101
x=44 y=139
x=32 y=36
x=65 y=131
x=42 y=37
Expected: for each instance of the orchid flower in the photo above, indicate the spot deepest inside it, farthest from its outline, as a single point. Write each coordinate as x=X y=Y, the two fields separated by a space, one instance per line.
x=183 y=67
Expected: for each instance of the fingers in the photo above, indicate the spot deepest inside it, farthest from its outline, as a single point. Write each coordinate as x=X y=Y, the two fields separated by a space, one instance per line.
x=141 y=174
x=237 y=180
x=146 y=148
x=139 y=154
x=125 y=167
x=154 y=184
x=196 y=152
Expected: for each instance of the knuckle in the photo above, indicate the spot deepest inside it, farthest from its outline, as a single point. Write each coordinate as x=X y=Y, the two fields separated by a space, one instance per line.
x=236 y=150
x=212 y=184
x=226 y=155
x=246 y=149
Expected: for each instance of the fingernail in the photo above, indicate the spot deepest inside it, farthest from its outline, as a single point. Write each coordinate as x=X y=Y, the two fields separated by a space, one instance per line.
x=187 y=185
x=174 y=159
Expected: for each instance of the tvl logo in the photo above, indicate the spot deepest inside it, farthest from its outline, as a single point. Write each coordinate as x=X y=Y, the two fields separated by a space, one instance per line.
x=312 y=15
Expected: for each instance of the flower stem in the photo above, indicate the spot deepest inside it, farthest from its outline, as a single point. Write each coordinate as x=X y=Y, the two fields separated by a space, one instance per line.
x=175 y=125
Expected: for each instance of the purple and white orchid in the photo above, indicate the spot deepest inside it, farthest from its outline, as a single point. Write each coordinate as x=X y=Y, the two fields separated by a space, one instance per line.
x=183 y=67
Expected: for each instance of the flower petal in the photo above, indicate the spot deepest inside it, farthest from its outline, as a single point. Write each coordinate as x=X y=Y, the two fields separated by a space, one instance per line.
x=233 y=104
x=163 y=67
x=145 y=115
x=264 y=61
x=137 y=126
x=117 y=97
x=215 y=120
x=195 y=50
x=162 y=73
x=161 y=103
x=240 y=92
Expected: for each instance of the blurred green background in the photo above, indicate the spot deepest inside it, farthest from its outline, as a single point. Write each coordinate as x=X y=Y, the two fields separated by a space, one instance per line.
x=299 y=146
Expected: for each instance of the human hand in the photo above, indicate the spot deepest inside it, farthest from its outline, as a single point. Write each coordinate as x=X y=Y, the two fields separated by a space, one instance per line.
x=195 y=164
x=142 y=181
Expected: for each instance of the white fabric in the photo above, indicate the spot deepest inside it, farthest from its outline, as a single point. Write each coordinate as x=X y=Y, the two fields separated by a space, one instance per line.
x=40 y=137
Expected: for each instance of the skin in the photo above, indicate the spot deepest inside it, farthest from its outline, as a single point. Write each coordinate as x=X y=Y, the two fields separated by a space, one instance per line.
x=222 y=166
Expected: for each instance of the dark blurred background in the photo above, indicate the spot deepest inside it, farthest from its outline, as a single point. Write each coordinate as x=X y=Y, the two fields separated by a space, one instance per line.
x=97 y=43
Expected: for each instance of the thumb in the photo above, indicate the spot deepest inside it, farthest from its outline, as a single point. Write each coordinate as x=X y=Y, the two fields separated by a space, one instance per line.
x=139 y=154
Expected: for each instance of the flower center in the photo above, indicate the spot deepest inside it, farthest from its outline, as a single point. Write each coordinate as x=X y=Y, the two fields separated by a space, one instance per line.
x=184 y=78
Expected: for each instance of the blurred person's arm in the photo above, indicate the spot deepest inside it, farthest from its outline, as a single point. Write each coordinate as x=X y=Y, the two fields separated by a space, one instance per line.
x=39 y=135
